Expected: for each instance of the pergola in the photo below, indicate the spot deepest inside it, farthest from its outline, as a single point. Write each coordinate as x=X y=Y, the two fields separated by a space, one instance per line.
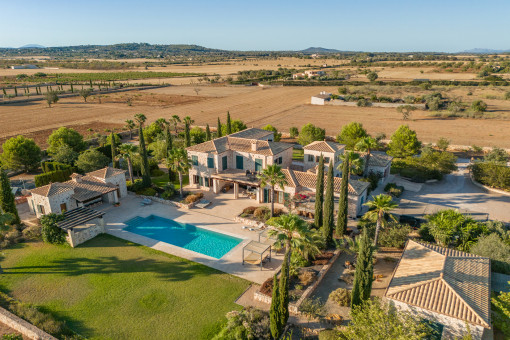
x=258 y=252
x=77 y=217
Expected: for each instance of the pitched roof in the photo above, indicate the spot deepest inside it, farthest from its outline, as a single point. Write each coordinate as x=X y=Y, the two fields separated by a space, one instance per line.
x=106 y=172
x=444 y=281
x=324 y=146
x=251 y=133
x=309 y=180
x=220 y=145
x=51 y=189
x=379 y=158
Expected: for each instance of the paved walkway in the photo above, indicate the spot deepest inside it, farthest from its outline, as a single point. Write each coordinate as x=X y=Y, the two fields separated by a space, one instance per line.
x=207 y=218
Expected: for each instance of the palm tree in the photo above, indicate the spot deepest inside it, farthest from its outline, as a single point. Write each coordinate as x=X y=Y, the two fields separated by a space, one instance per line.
x=355 y=162
x=175 y=120
x=179 y=162
x=366 y=144
x=127 y=151
x=130 y=125
x=381 y=205
x=291 y=231
x=272 y=175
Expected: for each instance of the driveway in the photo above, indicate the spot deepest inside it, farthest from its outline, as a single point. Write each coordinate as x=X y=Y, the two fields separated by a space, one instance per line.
x=458 y=191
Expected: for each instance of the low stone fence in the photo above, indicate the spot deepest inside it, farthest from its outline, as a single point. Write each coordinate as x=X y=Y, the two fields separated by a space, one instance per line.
x=337 y=102
x=169 y=202
x=27 y=329
x=75 y=238
x=246 y=221
x=294 y=307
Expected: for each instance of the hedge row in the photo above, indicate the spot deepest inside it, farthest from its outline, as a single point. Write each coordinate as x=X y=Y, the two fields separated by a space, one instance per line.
x=52 y=166
x=492 y=174
x=53 y=176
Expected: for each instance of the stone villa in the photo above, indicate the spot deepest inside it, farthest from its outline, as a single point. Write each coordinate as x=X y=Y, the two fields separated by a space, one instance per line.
x=104 y=185
x=233 y=162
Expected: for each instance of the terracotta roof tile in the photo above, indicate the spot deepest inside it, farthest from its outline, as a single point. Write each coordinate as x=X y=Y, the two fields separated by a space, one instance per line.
x=309 y=180
x=51 y=189
x=251 y=133
x=223 y=144
x=106 y=172
x=444 y=281
x=324 y=146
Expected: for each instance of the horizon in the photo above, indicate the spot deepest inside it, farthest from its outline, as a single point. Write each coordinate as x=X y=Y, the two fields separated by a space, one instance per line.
x=266 y=26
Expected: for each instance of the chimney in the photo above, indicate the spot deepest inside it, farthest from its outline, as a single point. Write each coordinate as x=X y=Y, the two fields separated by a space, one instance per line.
x=253 y=145
x=76 y=178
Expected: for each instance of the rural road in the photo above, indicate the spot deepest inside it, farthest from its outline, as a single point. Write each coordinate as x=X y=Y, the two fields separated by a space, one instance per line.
x=458 y=191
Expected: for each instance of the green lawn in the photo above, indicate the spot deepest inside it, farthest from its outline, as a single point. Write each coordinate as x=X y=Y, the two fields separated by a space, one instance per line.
x=298 y=154
x=109 y=288
x=162 y=180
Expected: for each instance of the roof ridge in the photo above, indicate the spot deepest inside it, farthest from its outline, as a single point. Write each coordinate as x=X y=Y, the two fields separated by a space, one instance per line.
x=293 y=177
x=414 y=285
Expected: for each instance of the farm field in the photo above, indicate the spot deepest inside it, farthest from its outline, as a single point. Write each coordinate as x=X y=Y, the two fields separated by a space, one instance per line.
x=282 y=107
x=109 y=288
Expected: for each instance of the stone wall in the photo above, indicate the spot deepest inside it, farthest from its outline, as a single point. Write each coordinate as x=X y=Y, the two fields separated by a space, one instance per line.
x=120 y=181
x=332 y=156
x=18 y=324
x=169 y=202
x=338 y=102
x=85 y=233
x=51 y=204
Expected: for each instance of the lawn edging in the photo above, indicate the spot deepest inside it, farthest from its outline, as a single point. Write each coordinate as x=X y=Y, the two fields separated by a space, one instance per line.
x=294 y=307
x=480 y=185
x=22 y=326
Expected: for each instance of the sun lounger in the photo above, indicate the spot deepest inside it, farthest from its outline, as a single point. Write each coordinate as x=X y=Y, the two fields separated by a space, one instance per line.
x=202 y=204
x=146 y=201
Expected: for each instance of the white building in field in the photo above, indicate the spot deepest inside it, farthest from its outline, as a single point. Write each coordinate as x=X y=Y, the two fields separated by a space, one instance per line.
x=447 y=287
x=104 y=185
x=321 y=98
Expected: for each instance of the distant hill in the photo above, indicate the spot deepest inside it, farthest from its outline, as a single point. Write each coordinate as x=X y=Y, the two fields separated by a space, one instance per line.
x=32 y=46
x=484 y=51
x=319 y=50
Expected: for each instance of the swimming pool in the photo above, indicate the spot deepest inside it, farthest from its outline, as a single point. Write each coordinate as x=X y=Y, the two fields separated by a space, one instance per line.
x=183 y=235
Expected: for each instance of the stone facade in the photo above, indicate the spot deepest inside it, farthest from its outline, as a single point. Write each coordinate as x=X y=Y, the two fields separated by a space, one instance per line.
x=88 y=231
x=452 y=328
x=42 y=205
x=311 y=160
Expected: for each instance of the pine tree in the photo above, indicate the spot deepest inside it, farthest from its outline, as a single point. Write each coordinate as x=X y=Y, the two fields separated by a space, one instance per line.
x=218 y=131
x=329 y=206
x=114 y=151
x=207 y=133
x=319 y=193
x=229 y=124
x=284 y=290
x=364 y=274
x=274 y=312
x=343 y=202
x=7 y=203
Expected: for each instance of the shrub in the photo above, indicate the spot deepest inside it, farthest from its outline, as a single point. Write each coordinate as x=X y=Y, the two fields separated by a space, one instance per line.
x=146 y=192
x=272 y=221
x=310 y=133
x=12 y=336
x=278 y=211
x=479 y=106
x=329 y=334
x=136 y=186
x=493 y=247
x=507 y=95
x=53 y=176
x=193 y=198
x=394 y=236
x=157 y=173
x=51 y=233
x=341 y=296
x=496 y=155
x=260 y=212
x=492 y=174
x=250 y=323
x=249 y=210
x=425 y=234
x=307 y=277
x=32 y=232
x=294 y=132
x=362 y=102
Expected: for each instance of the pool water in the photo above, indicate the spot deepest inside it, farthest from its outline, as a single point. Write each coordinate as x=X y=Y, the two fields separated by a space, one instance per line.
x=183 y=235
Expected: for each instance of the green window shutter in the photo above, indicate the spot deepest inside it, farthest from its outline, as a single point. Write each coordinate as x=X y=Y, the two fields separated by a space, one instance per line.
x=239 y=162
x=194 y=160
x=258 y=165
x=201 y=181
x=210 y=163
x=224 y=162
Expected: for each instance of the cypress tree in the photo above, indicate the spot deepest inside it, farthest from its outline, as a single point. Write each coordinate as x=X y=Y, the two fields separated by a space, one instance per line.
x=218 y=132
x=274 y=312
x=146 y=177
x=207 y=133
x=343 y=202
x=72 y=88
x=328 y=223
x=7 y=203
x=187 y=136
x=284 y=290
x=229 y=124
x=364 y=274
x=15 y=91
x=319 y=193
x=114 y=150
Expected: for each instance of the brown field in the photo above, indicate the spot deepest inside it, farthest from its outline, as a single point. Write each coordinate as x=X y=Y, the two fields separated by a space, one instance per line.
x=283 y=107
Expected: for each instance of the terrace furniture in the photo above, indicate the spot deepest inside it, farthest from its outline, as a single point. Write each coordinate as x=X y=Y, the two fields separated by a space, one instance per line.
x=258 y=253
x=146 y=201
x=202 y=203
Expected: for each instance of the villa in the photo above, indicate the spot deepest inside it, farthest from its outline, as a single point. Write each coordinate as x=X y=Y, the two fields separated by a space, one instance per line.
x=104 y=185
x=331 y=151
x=233 y=162
x=448 y=287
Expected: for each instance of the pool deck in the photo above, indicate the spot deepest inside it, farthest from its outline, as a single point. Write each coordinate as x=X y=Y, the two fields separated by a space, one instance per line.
x=204 y=218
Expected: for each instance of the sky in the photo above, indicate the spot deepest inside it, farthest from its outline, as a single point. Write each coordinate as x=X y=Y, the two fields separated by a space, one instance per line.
x=369 y=25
